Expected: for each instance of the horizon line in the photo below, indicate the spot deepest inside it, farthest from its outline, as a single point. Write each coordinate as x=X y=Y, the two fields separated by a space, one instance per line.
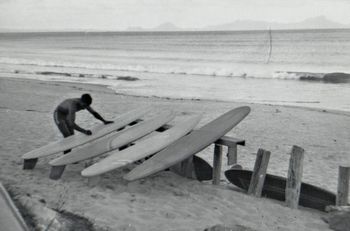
x=5 y=30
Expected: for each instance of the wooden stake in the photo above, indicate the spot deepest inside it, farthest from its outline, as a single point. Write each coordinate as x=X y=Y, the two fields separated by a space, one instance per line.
x=217 y=164
x=295 y=173
x=343 y=186
x=259 y=173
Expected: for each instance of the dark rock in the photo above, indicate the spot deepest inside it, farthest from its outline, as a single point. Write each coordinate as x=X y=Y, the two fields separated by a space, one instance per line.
x=53 y=73
x=127 y=78
x=336 y=78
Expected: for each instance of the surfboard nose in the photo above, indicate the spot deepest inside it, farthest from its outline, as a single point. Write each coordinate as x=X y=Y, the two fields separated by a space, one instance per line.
x=96 y=169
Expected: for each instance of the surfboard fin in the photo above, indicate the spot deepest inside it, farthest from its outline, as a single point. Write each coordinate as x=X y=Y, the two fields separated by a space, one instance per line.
x=56 y=172
x=29 y=163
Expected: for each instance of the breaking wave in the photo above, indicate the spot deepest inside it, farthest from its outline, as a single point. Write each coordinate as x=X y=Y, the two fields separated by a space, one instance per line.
x=201 y=71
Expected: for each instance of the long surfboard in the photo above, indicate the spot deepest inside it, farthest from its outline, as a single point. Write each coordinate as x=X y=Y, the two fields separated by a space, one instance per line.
x=188 y=145
x=115 y=141
x=275 y=186
x=141 y=149
x=10 y=218
x=80 y=139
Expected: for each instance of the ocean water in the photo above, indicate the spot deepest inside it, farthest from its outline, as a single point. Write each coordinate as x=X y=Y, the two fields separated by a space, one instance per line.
x=247 y=66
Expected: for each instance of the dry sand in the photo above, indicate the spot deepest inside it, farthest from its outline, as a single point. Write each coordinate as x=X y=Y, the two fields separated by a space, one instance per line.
x=167 y=201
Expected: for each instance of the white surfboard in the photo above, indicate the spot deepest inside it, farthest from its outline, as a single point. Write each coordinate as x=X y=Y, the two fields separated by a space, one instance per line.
x=115 y=141
x=141 y=149
x=80 y=139
x=189 y=145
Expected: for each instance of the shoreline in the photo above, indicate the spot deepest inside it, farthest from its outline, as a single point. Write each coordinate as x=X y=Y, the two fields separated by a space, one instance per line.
x=107 y=87
x=166 y=201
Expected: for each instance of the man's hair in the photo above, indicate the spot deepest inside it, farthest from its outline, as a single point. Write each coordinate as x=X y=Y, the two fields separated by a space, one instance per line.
x=86 y=98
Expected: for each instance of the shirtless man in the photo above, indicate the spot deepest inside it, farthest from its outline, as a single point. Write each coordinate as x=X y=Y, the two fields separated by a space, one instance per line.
x=64 y=117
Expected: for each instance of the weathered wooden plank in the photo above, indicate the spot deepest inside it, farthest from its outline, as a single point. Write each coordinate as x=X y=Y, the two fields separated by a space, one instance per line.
x=230 y=141
x=259 y=173
x=217 y=164
x=343 y=186
x=295 y=173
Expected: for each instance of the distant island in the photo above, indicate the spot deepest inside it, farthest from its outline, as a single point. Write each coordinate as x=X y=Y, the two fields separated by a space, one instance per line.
x=320 y=22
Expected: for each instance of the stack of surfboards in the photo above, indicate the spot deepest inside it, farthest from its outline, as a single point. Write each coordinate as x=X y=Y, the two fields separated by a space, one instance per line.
x=142 y=149
x=116 y=141
x=189 y=145
x=169 y=148
x=81 y=139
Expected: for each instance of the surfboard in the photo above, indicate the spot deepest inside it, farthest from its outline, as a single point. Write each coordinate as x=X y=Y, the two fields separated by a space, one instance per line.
x=190 y=144
x=10 y=218
x=80 y=139
x=274 y=187
x=115 y=141
x=141 y=149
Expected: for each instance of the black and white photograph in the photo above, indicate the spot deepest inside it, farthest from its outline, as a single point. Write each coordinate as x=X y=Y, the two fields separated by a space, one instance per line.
x=174 y=115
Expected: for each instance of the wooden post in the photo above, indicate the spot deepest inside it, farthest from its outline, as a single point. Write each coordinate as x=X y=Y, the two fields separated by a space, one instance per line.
x=259 y=173
x=232 y=155
x=343 y=186
x=217 y=164
x=295 y=173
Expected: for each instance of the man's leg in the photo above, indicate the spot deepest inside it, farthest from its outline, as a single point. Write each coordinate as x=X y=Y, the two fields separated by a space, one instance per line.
x=57 y=171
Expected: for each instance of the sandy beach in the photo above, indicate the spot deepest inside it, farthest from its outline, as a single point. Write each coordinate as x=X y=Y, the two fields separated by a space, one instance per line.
x=166 y=201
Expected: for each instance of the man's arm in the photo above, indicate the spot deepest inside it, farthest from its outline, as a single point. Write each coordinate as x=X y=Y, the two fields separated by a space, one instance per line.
x=97 y=116
x=72 y=124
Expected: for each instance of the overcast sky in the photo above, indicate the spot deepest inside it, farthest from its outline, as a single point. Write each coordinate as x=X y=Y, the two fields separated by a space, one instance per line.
x=121 y=14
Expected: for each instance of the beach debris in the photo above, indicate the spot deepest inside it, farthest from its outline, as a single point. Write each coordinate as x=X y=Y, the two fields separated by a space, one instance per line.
x=127 y=78
x=49 y=219
x=336 y=77
x=52 y=73
x=226 y=228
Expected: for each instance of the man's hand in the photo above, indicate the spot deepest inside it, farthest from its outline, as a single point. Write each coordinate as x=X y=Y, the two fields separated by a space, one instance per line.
x=88 y=132
x=108 y=122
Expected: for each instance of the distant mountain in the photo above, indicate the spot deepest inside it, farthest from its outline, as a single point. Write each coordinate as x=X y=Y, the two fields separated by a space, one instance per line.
x=162 y=27
x=320 y=22
x=166 y=27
